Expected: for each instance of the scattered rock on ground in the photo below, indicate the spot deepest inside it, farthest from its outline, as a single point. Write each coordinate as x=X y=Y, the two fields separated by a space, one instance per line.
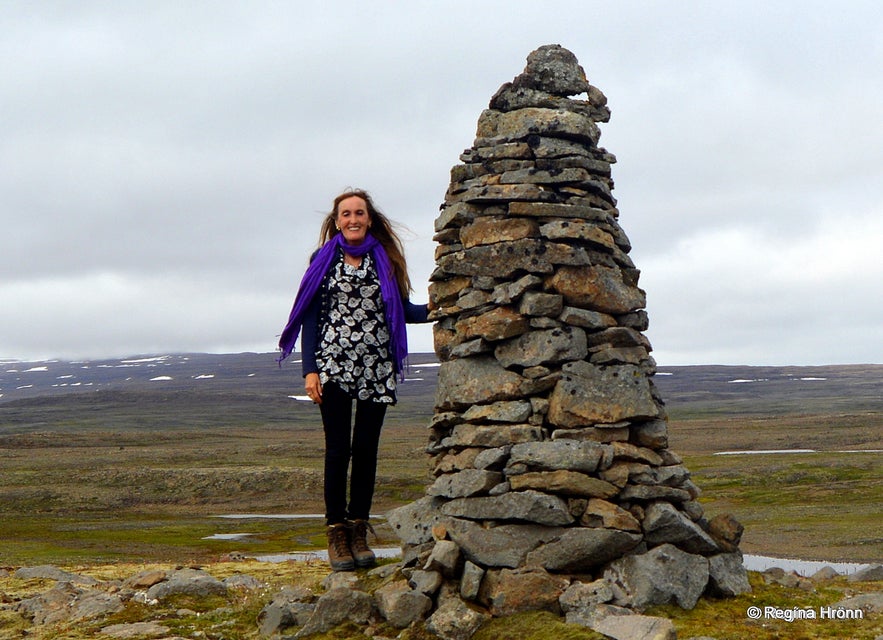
x=191 y=582
x=868 y=574
x=68 y=602
x=135 y=630
x=402 y=596
x=50 y=572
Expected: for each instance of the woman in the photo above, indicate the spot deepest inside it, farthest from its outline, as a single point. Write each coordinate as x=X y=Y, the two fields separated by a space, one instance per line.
x=351 y=308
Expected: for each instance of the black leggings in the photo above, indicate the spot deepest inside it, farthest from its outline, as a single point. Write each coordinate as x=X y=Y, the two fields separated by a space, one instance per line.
x=345 y=441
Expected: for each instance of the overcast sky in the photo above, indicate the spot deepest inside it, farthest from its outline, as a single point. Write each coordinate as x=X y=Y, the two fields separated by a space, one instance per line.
x=166 y=165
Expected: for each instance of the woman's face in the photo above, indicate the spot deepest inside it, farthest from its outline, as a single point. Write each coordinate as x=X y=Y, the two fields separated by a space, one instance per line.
x=353 y=219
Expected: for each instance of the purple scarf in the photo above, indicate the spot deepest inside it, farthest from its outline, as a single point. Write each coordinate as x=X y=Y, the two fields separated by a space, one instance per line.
x=389 y=290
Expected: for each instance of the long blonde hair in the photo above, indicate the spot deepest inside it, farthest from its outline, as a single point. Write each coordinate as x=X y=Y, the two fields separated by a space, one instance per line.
x=381 y=228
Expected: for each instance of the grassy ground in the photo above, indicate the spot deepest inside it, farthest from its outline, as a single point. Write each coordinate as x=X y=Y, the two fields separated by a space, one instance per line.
x=140 y=472
x=234 y=616
x=95 y=495
x=823 y=505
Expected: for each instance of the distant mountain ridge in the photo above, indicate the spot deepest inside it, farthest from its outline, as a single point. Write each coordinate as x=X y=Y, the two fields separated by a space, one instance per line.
x=185 y=371
x=857 y=387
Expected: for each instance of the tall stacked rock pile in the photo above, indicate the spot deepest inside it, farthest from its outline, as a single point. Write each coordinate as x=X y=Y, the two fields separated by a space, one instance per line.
x=549 y=438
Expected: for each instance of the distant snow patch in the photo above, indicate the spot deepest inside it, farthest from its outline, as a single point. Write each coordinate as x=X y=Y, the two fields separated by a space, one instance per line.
x=228 y=536
x=142 y=360
x=763 y=452
x=32 y=369
x=204 y=376
x=161 y=378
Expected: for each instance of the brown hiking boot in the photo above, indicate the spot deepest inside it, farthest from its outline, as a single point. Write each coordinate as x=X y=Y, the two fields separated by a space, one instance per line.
x=362 y=554
x=339 y=555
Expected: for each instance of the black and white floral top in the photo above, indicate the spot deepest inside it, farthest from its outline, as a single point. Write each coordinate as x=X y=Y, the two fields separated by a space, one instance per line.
x=354 y=339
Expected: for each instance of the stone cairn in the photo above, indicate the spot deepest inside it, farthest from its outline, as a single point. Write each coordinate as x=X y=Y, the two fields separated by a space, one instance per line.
x=549 y=441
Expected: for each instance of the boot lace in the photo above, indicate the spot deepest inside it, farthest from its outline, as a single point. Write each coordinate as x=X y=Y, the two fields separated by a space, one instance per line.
x=338 y=539
x=360 y=535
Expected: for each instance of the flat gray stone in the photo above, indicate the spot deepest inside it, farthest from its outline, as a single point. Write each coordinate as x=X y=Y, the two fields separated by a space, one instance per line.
x=135 y=630
x=191 y=582
x=550 y=455
x=503 y=546
x=581 y=549
x=550 y=346
x=525 y=506
x=465 y=483
x=636 y=627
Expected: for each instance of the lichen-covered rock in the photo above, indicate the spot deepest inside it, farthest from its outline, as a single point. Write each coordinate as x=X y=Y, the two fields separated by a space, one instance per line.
x=462 y=484
x=413 y=522
x=664 y=523
x=506 y=545
x=469 y=381
x=445 y=558
x=558 y=454
x=601 y=513
x=509 y=591
x=400 y=605
x=550 y=346
x=523 y=506
x=581 y=549
x=335 y=607
x=192 y=582
x=727 y=576
x=455 y=620
x=635 y=626
x=67 y=602
x=553 y=69
x=563 y=482
x=598 y=288
x=726 y=530
x=663 y=575
x=589 y=394
x=290 y=607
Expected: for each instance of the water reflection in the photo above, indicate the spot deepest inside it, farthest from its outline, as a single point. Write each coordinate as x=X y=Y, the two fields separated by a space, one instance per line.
x=804 y=568
x=228 y=536
x=321 y=554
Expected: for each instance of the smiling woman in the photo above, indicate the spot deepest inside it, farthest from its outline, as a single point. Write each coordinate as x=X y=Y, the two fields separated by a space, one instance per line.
x=351 y=308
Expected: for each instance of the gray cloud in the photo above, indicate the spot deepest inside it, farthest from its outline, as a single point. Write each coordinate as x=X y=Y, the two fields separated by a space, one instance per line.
x=166 y=166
